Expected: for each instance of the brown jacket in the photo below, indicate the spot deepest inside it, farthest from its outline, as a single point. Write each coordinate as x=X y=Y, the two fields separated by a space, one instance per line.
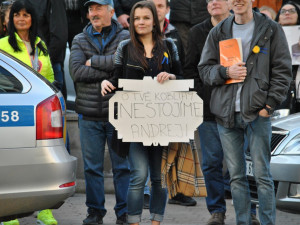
x=274 y=4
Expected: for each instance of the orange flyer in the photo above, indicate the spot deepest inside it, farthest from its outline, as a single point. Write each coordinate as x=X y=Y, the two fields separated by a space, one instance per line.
x=230 y=54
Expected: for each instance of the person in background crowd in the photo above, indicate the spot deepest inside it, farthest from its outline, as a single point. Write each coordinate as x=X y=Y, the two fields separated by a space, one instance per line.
x=145 y=49
x=76 y=17
x=268 y=11
x=274 y=4
x=289 y=15
x=52 y=28
x=168 y=30
x=185 y=14
x=242 y=110
x=4 y=17
x=52 y=24
x=22 y=39
x=91 y=61
x=212 y=152
x=123 y=8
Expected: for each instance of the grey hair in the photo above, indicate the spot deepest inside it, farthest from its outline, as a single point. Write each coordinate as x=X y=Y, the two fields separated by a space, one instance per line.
x=110 y=8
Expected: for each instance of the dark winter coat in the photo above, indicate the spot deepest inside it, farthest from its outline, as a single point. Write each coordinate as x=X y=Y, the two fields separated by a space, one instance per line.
x=196 y=41
x=171 y=32
x=188 y=11
x=52 y=26
x=124 y=6
x=89 y=101
x=269 y=73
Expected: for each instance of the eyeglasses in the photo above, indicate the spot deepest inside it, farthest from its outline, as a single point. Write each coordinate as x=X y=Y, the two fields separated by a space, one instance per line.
x=290 y=11
x=210 y=1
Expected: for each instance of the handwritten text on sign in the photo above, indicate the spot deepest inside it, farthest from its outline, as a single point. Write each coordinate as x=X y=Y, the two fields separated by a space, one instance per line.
x=154 y=117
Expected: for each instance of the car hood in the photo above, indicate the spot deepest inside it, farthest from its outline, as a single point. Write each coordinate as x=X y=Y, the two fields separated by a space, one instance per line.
x=287 y=123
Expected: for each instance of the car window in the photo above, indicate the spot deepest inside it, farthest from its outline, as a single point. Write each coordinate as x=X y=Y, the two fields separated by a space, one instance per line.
x=9 y=83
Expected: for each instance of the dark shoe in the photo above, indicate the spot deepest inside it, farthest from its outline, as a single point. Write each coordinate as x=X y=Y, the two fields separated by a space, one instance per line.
x=146 y=201
x=93 y=219
x=254 y=220
x=216 y=219
x=181 y=199
x=122 y=219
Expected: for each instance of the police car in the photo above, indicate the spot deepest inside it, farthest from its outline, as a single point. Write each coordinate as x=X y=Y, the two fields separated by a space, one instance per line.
x=285 y=164
x=36 y=171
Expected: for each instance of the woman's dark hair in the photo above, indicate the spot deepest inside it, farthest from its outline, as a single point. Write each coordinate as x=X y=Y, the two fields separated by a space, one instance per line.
x=297 y=10
x=15 y=8
x=136 y=50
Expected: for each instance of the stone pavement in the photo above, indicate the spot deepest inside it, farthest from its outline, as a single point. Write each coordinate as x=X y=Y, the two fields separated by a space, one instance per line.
x=74 y=211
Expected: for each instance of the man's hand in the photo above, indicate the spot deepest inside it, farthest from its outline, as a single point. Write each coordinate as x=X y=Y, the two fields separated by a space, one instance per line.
x=123 y=20
x=264 y=112
x=88 y=62
x=106 y=86
x=238 y=71
x=163 y=76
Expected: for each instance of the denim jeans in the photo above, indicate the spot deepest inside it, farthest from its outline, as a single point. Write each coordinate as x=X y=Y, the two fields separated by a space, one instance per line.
x=147 y=188
x=258 y=133
x=93 y=135
x=212 y=165
x=141 y=158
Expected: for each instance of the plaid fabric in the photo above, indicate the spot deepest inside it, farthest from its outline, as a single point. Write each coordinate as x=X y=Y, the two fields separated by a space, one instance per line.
x=181 y=172
x=72 y=4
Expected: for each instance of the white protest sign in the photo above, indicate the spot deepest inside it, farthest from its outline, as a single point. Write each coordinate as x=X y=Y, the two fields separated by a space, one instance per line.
x=154 y=113
x=292 y=34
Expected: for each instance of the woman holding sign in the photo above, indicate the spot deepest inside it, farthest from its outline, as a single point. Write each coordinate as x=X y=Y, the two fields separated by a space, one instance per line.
x=145 y=54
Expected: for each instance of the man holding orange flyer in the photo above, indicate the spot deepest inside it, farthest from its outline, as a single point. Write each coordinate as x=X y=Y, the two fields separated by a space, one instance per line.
x=211 y=148
x=243 y=109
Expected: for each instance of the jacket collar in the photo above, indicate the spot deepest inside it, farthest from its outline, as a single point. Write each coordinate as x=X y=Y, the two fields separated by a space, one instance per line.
x=89 y=32
x=260 y=24
x=37 y=40
x=168 y=28
x=114 y=25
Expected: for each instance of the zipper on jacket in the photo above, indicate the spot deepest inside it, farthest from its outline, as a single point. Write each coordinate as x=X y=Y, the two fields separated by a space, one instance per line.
x=139 y=67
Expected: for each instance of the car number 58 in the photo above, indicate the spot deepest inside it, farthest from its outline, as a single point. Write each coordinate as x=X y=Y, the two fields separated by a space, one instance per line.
x=7 y=116
x=16 y=116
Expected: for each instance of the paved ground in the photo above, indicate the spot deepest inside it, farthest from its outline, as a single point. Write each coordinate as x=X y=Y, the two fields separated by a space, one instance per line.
x=74 y=211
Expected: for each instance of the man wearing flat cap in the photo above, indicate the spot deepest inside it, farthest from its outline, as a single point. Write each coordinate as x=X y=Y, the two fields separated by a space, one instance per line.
x=91 y=62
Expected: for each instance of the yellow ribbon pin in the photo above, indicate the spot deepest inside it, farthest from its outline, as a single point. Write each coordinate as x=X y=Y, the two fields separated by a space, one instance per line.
x=256 y=49
x=166 y=58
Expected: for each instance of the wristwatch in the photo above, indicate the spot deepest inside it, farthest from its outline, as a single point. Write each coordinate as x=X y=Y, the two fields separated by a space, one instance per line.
x=269 y=110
